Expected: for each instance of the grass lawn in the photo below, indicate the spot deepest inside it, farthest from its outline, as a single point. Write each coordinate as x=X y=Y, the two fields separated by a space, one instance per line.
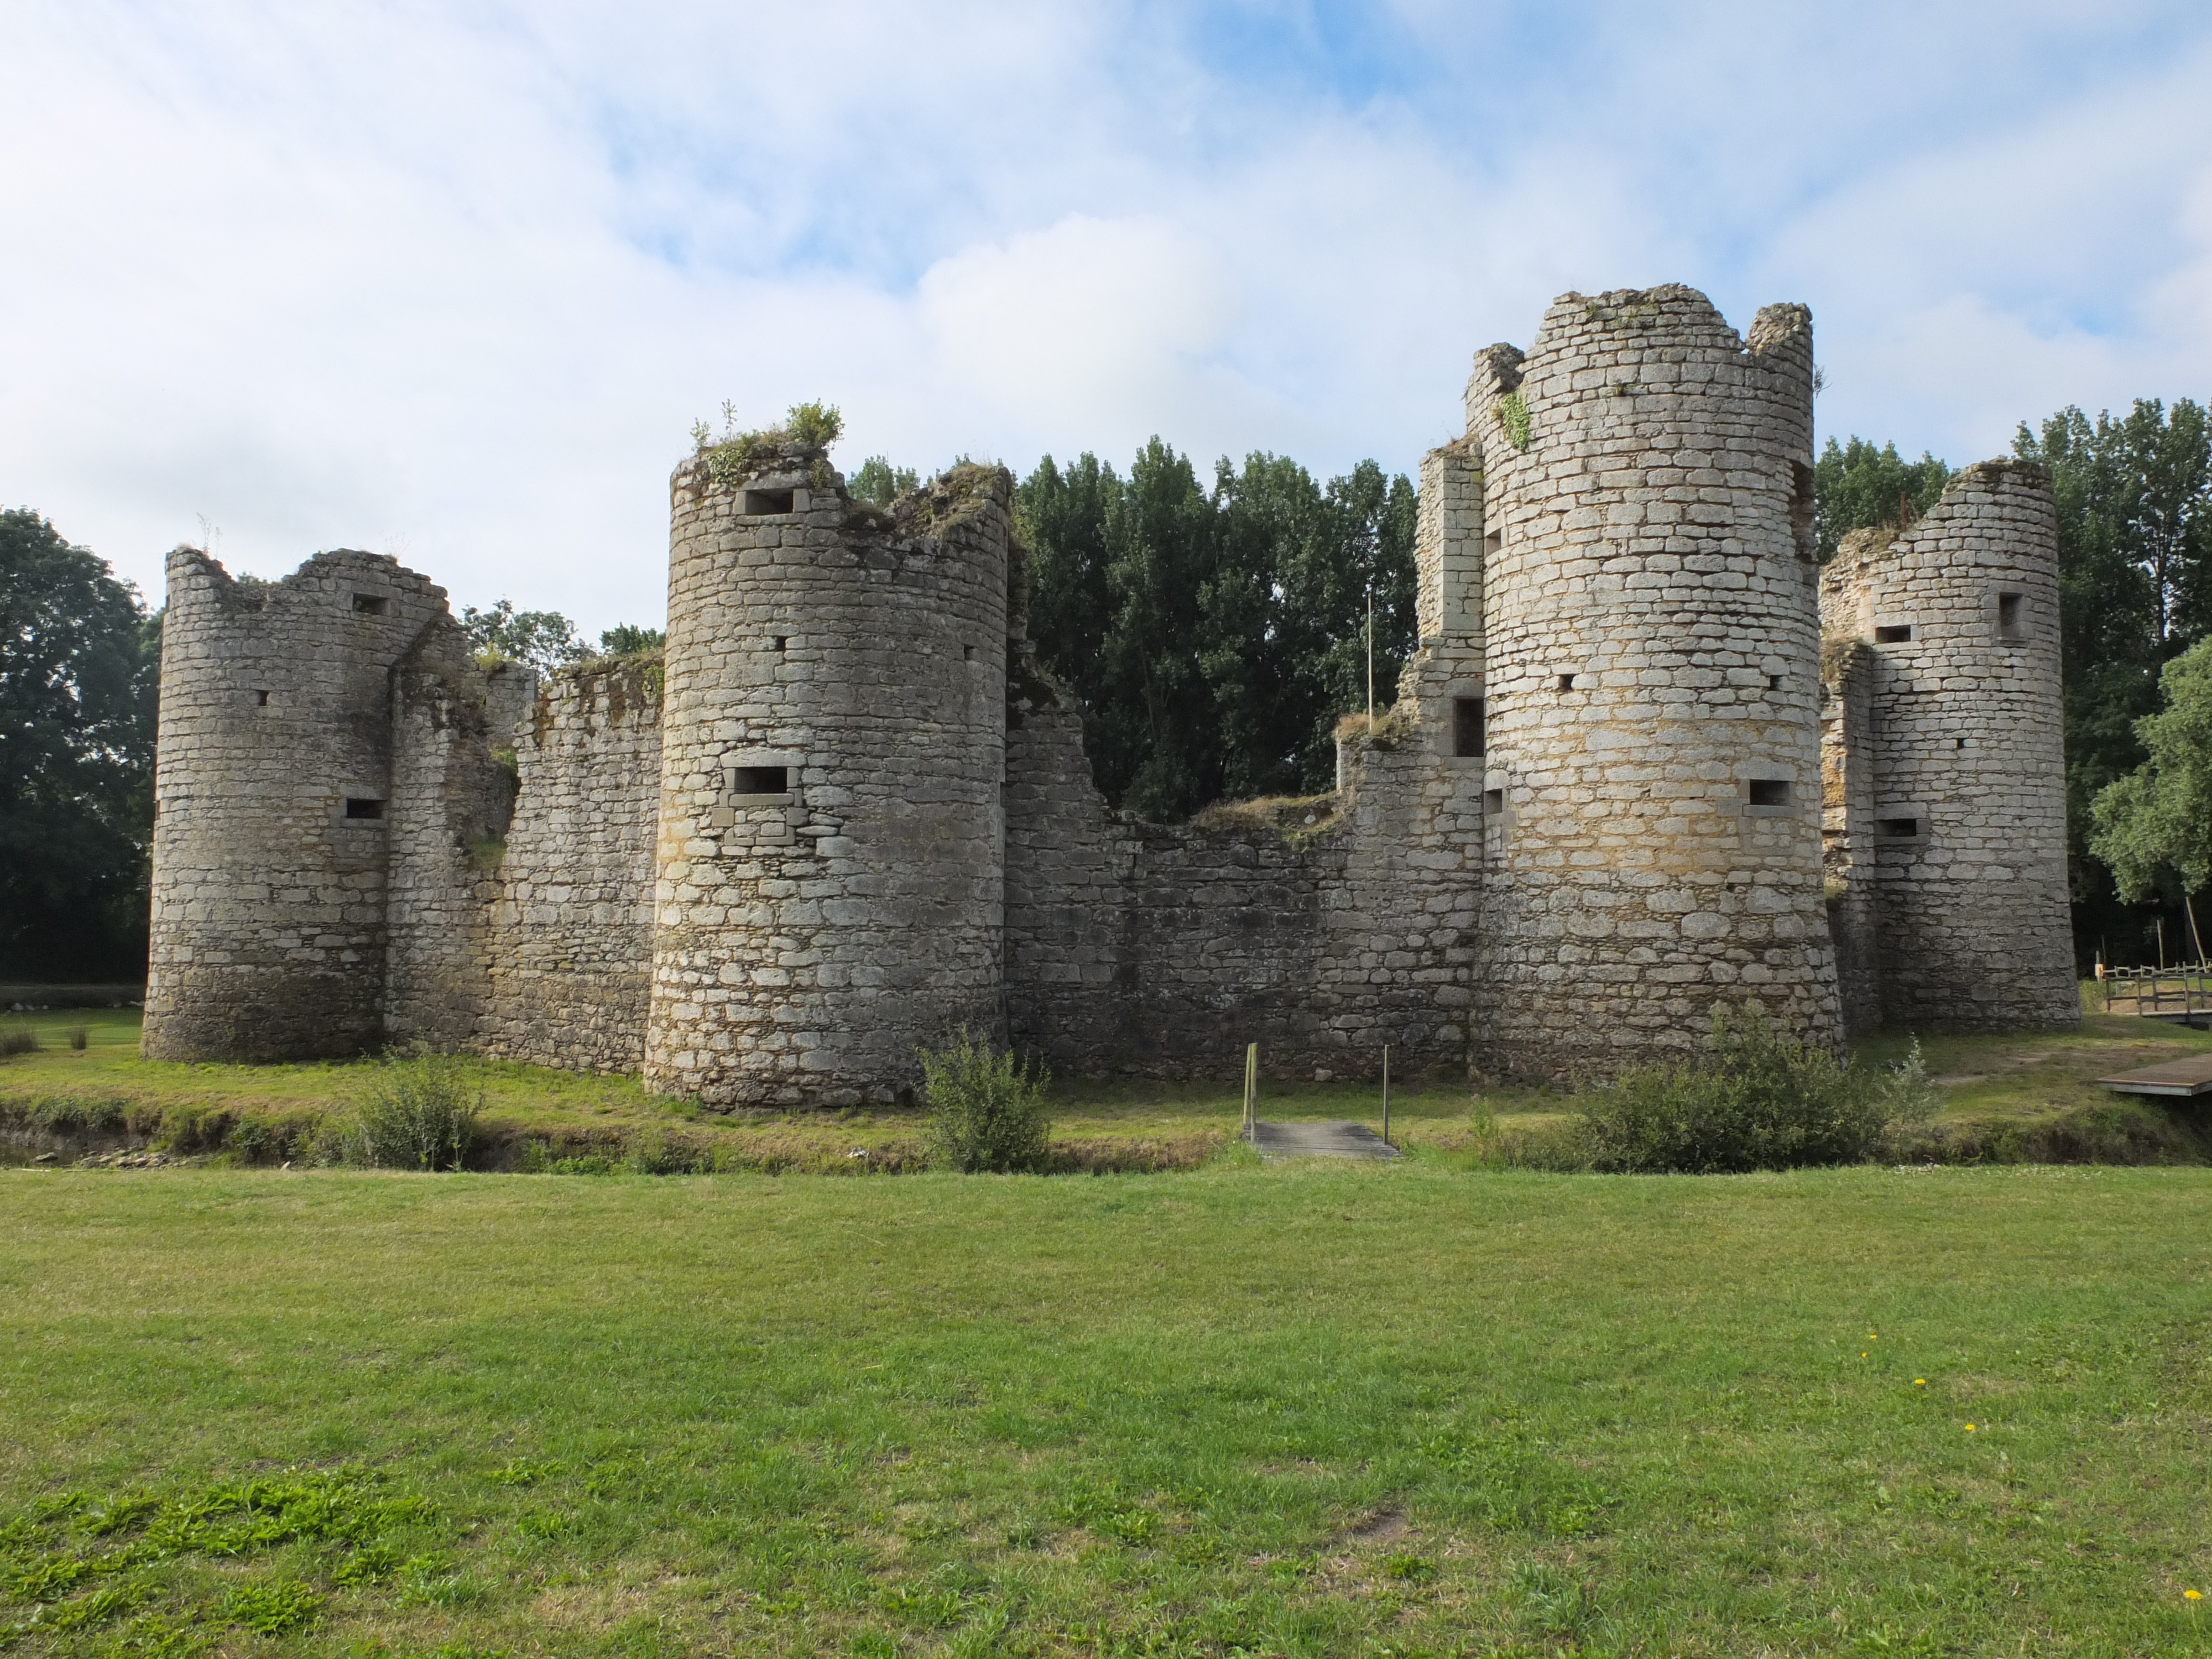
x=2007 y=1097
x=1294 y=1409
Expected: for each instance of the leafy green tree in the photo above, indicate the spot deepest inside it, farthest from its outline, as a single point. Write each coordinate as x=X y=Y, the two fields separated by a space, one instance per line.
x=1858 y=487
x=80 y=665
x=628 y=640
x=1291 y=662
x=1161 y=528
x=2135 y=516
x=1061 y=514
x=2153 y=827
x=1212 y=637
x=880 y=483
x=545 y=640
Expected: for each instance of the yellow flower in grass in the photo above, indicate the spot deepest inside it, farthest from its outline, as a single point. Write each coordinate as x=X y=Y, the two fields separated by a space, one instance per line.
x=1919 y=1382
x=1970 y=1428
x=2192 y=1595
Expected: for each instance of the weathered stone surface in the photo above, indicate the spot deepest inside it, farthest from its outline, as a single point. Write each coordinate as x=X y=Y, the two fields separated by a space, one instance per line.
x=850 y=812
x=569 y=903
x=271 y=907
x=830 y=890
x=1942 y=671
x=1651 y=651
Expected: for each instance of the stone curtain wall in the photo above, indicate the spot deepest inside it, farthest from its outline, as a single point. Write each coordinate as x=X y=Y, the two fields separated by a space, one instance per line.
x=1847 y=825
x=1157 y=950
x=269 y=903
x=1321 y=930
x=807 y=938
x=570 y=914
x=449 y=799
x=1964 y=745
x=1068 y=866
x=1652 y=654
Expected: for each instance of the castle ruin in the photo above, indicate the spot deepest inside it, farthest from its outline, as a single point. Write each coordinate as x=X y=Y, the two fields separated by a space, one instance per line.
x=1649 y=754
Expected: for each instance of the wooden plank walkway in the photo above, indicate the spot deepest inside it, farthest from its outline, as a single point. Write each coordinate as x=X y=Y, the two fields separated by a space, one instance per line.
x=1333 y=1139
x=2177 y=1078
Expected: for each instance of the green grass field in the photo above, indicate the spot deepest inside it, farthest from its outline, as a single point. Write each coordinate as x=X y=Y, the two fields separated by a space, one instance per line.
x=1294 y=1409
x=2008 y=1098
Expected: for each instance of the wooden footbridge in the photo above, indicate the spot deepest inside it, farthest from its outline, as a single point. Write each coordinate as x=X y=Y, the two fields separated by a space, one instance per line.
x=1331 y=1137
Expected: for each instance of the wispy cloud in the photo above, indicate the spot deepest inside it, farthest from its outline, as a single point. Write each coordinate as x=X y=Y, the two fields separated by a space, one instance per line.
x=453 y=282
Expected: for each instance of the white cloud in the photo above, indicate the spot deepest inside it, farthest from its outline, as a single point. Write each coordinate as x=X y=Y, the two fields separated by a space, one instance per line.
x=456 y=282
x=1103 y=314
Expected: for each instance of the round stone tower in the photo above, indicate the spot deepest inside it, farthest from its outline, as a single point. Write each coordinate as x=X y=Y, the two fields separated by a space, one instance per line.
x=272 y=777
x=1652 y=767
x=831 y=865
x=1953 y=826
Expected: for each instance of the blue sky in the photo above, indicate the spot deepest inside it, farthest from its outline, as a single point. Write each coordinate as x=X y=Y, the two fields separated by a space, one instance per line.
x=451 y=282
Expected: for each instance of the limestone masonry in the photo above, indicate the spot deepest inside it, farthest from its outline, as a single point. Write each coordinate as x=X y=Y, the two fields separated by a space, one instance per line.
x=1649 y=754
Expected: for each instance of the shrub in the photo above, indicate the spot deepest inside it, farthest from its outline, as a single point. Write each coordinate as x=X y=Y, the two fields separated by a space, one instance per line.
x=18 y=1040
x=988 y=1112
x=1753 y=1099
x=650 y=1151
x=814 y=426
x=79 y=1037
x=419 y=1113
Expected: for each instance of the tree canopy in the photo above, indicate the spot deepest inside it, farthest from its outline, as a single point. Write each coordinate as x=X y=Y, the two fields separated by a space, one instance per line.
x=1857 y=486
x=1213 y=636
x=2135 y=516
x=880 y=483
x=628 y=640
x=545 y=640
x=2154 y=826
x=80 y=665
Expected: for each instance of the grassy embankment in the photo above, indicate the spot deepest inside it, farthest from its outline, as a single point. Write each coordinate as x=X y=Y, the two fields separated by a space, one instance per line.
x=1297 y=1410
x=2007 y=1098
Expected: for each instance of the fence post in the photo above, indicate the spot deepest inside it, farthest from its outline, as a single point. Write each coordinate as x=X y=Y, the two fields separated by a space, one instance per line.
x=1251 y=1087
x=1386 y=1094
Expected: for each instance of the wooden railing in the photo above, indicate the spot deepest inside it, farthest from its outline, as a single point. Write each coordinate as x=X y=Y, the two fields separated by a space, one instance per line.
x=2175 y=993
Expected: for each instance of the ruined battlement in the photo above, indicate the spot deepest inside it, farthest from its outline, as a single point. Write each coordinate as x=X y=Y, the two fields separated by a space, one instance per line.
x=1640 y=761
x=1945 y=825
x=273 y=779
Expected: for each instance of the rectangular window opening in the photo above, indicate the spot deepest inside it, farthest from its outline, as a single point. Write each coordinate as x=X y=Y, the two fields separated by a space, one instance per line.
x=783 y=641
x=2008 y=611
x=1567 y=681
x=1492 y=543
x=761 y=780
x=261 y=699
x=1467 y=727
x=371 y=604
x=1774 y=682
x=359 y=806
x=1897 y=828
x=1769 y=792
x=1493 y=801
x=968 y=652
x=1897 y=634
x=759 y=503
